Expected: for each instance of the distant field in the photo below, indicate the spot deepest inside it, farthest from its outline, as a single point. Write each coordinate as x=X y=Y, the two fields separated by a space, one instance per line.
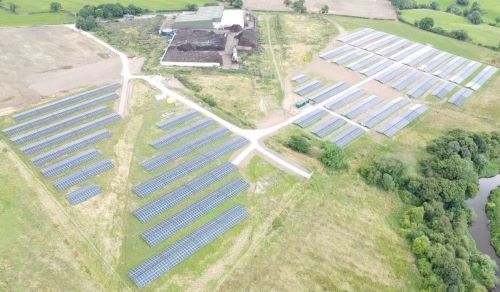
x=37 y=12
x=482 y=34
x=489 y=7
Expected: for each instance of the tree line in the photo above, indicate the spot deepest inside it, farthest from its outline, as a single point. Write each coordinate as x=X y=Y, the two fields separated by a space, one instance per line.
x=87 y=16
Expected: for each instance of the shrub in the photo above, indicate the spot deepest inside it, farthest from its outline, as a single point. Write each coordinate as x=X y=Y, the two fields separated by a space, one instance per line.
x=298 y=143
x=434 y=5
x=55 y=6
x=332 y=156
x=299 y=7
x=475 y=17
x=463 y=2
x=426 y=23
x=386 y=173
x=420 y=245
x=287 y=2
x=324 y=9
x=454 y=9
x=237 y=3
x=459 y=34
x=191 y=7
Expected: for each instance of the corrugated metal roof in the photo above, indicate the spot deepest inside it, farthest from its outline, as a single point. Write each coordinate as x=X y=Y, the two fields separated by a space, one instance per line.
x=191 y=17
x=213 y=12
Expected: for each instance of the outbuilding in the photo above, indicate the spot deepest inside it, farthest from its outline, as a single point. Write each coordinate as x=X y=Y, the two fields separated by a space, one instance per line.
x=192 y=21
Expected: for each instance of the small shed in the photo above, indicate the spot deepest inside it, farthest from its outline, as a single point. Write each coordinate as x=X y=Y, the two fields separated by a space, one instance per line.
x=192 y=21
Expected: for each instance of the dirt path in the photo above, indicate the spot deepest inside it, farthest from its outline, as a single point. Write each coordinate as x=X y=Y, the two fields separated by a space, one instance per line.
x=58 y=214
x=276 y=67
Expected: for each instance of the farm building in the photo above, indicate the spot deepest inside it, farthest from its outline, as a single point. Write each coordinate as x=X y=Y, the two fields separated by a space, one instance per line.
x=192 y=21
x=210 y=17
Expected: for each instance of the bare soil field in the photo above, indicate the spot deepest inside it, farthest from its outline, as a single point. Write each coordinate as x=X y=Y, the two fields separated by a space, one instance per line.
x=40 y=62
x=379 y=9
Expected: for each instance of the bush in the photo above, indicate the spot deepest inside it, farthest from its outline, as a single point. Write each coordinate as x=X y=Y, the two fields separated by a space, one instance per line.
x=237 y=3
x=86 y=23
x=434 y=5
x=191 y=7
x=298 y=143
x=55 y=6
x=459 y=34
x=463 y=2
x=332 y=156
x=324 y=9
x=454 y=9
x=420 y=245
x=299 y=7
x=386 y=173
x=287 y=2
x=475 y=17
x=426 y=23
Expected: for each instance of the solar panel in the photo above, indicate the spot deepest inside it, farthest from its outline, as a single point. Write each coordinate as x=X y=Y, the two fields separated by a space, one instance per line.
x=59 y=114
x=70 y=147
x=335 y=52
x=53 y=105
x=444 y=89
x=165 y=158
x=383 y=42
x=83 y=174
x=376 y=68
x=449 y=67
x=393 y=126
x=396 y=71
x=71 y=133
x=465 y=72
x=346 y=98
x=308 y=88
x=176 y=253
x=482 y=77
x=70 y=162
x=166 y=178
x=367 y=39
x=40 y=132
x=184 y=132
x=419 y=58
x=168 y=227
x=407 y=52
x=404 y=82
x=300 y=78
x=351 y=56
x=390 y=50
x=423 y=86
x=310 y=118
x=347 y=136
x=378 y=116
x=179 y=194
x=461 y=96
x=369 y=60
x=172 y=122
x=433 y=63
x=328 y=127
x=355 y=35
x=362 y=106
x=329 y=92
x=83 y=194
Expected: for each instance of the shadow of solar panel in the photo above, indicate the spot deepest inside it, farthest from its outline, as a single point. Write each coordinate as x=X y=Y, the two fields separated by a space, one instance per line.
x=50 y=106
x=379 y=67
x=58 y=114
x=172 y=122
x=355 y=35
x=308 y=88
x=343 y=100
x=300 y=78
x=165 y=158
x=82 y=175
x=370 y=60
x=461 y=96
x=390 y=75
x=378 y=116
x=328 y=127
x=482 y=77
x=347 y=136
x=465 y=72
x=406 y=52
x=404 y=82
x=168 y=227
x=43 y=131
x=176 y=136
x=393 y=126
x=362 y=106
x=310 y=118
x=329 y=92
x=69 y=163
x=166 y=178
x=63 y=136
x=423 y=86
x=444 y=89
x=178 y=195
x=335 y=52
x=83 y=194
x=70 y=147
x=165 y=260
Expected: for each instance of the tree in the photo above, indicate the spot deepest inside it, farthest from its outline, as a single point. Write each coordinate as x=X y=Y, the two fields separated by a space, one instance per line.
x=55 y=6
x=420 y=245
x=454 y=9
x=434 y=5
x=497 y=20
x=463 y=2
x=426 y=23
x=332 y=156
x=191 y=7
x=238 y=3
x=87 y=23
x=299 y=7
x=13 y=7
x=287 y=2
x=324 y=9
x=298 y=143
x=475 y=17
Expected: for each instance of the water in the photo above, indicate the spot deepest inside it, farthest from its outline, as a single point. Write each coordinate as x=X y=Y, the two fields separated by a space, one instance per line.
x=479 y=229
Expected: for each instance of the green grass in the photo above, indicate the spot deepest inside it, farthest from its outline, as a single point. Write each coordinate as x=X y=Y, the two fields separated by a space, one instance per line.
x=36 y=12
x=490 y=8
x=481 y=34
x=493 y=212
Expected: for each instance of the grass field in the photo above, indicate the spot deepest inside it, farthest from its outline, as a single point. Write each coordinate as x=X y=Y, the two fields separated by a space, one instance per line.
x=37 y=12
x=490 y=8
x=481 y=34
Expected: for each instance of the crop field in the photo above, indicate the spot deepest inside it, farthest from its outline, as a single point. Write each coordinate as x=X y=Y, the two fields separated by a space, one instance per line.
x=37 y=12
x=481 y=34
x=489 y=7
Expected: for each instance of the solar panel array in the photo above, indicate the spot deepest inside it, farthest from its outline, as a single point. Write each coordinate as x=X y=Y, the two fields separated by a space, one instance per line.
x=352 y=56
x=405 y=81
x=423 y=86
x=434 y=62
x=449 y=67
x=179 y=194
x=328 y=127
x=362 y=106
x=378 y=67
x=416 y=59
x=343 y=100
x=444 y=89
x=82 y=175
x=465 y=72
x=390 y=75
x=310 y=118
x=171 y=138
x=481 y=77
x=165 y=158
x=461 y=96
x=70 y=162
x=51 y=106
x=308 y=88
x=163 y=180
x=172 y=122
x=348 y=135
x=170 y=257
x=300 y=78
x=378 y=116
x=329 y=92
x=368 y=61
x=83 y=194
x=191 y=213
x=393 y=126
x=335 y=52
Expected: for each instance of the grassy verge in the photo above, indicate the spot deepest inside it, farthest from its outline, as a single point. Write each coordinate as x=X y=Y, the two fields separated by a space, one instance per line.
x=493 y=212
